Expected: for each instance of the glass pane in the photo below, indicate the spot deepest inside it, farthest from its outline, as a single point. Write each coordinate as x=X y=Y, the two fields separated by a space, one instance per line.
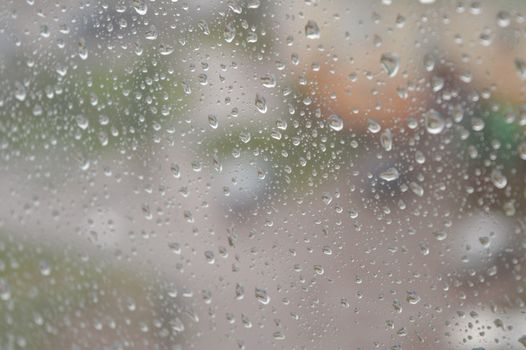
x=252 y=174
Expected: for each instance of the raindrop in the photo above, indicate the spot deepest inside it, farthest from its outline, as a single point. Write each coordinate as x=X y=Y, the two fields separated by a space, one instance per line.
x=503 y=19
x=212 y=121
x=335 y=122
x=261 y=104
x=520 y=66
x=245 y=136
x=434 y=122
x=140 y=7
x=417 y=189
x=391 y=63
x=261 y=296
x=412 y=297
x=373 y=126
x=386 y=140
x=82 y=49
x=312 y=31
x=390 y=174
x=210 y=258
x=268 y=81
x=175 y=170
x=498 y=179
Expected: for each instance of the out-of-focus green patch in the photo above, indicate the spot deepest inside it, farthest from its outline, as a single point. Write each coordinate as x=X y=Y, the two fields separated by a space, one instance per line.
x=54 y=299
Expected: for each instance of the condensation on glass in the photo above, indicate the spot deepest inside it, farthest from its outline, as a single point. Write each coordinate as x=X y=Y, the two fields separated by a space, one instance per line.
x=259 y=174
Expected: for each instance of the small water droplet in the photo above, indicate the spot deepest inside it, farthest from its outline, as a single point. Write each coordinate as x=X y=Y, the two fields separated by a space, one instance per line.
x=503 y=19
x=140 y=7
x=390 y=174
x=165 y=50
x=210 y=258
x=261 y=104
x=229 y=32
x=245 y=136
x=520 y=66
x=268 y=81
x=386 y=140
x=417 y=189
x=373 y=126
x=212 y=121
x=82 y=49
x=312 y=31
x=440 y=235
x=335 y=122
x=498 y=179
x=434 y=122
x=391 y=63
x=261 y=296
x=412 y=297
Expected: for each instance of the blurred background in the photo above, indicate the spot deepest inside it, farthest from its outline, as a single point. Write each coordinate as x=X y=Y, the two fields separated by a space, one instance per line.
x=253 y=174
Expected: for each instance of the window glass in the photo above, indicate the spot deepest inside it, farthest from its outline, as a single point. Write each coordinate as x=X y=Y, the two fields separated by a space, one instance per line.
x=262 y=174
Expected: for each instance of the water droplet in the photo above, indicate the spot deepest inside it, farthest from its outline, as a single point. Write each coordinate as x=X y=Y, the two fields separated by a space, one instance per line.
x=312 y=31
x=165 y=50
x=175 y=170
x=397 y=306
x=440 y=235
x=326 y=198
x=20 y=92
x=498 y=179
x=278 y=335
x=503 y=19
x=390 y=174
x=520 y=66
x=318 y=269
x=373 y=126
x=245 y=136
x=386 y=140
x=412 y=297
x=261 y=296
x=522 y=340
x=212 y=121
x=268 y=81
x=420 y=158
x=391 y=63
x=82 y=49
x=210 y=258
x=44 y=31
x=522 y=150
x=417 y=189
x=335 y=122
x=229 y=32
x=140 y=7
x=45 y=268
x=240 y=292
x=261 y=104
x=434 y=122
x=5 y=291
